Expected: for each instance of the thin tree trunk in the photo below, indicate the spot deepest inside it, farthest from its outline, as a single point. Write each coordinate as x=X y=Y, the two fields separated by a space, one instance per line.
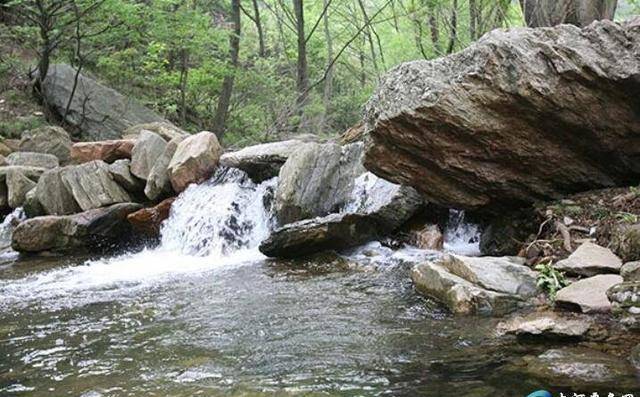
x=369 y=36
x=302 y=78
x=261 y=46
x=473 y=19
x=453 y=37
x=184 y=76
x=224 y=101
x=435 y=33
x=328 y=82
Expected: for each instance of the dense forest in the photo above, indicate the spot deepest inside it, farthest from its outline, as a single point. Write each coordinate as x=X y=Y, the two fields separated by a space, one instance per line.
x=253 y=70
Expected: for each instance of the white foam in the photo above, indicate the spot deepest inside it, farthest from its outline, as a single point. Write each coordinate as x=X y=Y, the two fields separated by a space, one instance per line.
x=460 y=236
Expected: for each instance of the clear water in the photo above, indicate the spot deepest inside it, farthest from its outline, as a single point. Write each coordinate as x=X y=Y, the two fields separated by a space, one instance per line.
x=195 y=317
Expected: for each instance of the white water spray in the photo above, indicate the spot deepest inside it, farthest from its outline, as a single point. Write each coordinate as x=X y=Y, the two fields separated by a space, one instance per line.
x=460 y=236
x=6 y=230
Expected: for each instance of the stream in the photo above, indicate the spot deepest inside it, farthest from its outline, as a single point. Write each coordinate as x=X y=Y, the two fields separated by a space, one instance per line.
x=206 y=314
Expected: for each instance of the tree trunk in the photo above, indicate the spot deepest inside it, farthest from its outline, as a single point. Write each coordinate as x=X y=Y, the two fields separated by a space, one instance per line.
x=435 y=33
x=453 y=36
x=256 y=14
x=328 y=81
x=224 y=101
x=369 y=36
x=473 y=19
x=539 y=13
x=302 y=78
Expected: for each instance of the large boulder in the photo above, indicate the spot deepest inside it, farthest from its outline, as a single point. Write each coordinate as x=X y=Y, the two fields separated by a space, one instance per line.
x=158 y=182
x=99 y=112
x=195 y=160
x=521 y=115
x=334 y=231
x=262 y=162
x=148 y=148
x=48 y=139
x=107 y=151
x=53 y=195
x=590 y=259
x=92 y=185
x=121 y=172
x=317 y=180
x=32 y=159
x=377 y=208
x=18 y=185
x=588 y=295
x=100 y=227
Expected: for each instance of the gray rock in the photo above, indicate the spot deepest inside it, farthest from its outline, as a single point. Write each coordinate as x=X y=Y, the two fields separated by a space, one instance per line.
x=261 y=162
x=18 y=185
x=32 y=173
x=53 y=194
x=580 y=368
x=92 y=185
x=459 y=295
x=121 y=172
x=479 y=129
x=32 y=206
x=195 y=160
x=158 y=182
x=625 y=301
x=588 y=295
x=590 y=259
x=317 y=180
x=546 y=325
x=100 y=227
x=166 y=130
x=625 y=241
x=508 y=275
x=97 y=111
x=148 y=149
x=48 y=139
x=32 y=159
x=334 y=231
x=630 y=271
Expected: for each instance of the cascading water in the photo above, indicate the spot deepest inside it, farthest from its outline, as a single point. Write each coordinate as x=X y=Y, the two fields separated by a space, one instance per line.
x=460 y=236
x=6 y=230
x=219 y=217
x=212 y=226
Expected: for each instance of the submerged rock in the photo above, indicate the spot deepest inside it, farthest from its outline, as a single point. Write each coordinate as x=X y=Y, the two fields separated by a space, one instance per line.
x=317 y=180
x=459 y=295
x=580 y=368
x=147 y=150
x=546 y=325
x=519 y=116
x=588 y=295
x=48 y=139
x=590 y=259
x=99 y=112
x=195 y=160
x=107 y=151
x=100 y=227
x=262 y=162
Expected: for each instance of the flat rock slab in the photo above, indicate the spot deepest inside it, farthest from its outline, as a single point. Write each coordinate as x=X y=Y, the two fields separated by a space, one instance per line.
x=546 y=325
x=590 y=259
x=107 y=151
x=588 y=295
x=262 y=162
x=33 y=159
x=459 y=295
x=508 y=275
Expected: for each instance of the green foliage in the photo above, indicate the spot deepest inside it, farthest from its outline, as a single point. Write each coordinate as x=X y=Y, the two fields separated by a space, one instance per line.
x=550 y=280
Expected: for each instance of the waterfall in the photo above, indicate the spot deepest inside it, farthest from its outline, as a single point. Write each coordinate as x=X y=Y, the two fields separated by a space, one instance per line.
x=460 y=236
x=223 y=215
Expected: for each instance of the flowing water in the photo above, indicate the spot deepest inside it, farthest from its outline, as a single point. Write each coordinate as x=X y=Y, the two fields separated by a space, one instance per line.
x=206 y=314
